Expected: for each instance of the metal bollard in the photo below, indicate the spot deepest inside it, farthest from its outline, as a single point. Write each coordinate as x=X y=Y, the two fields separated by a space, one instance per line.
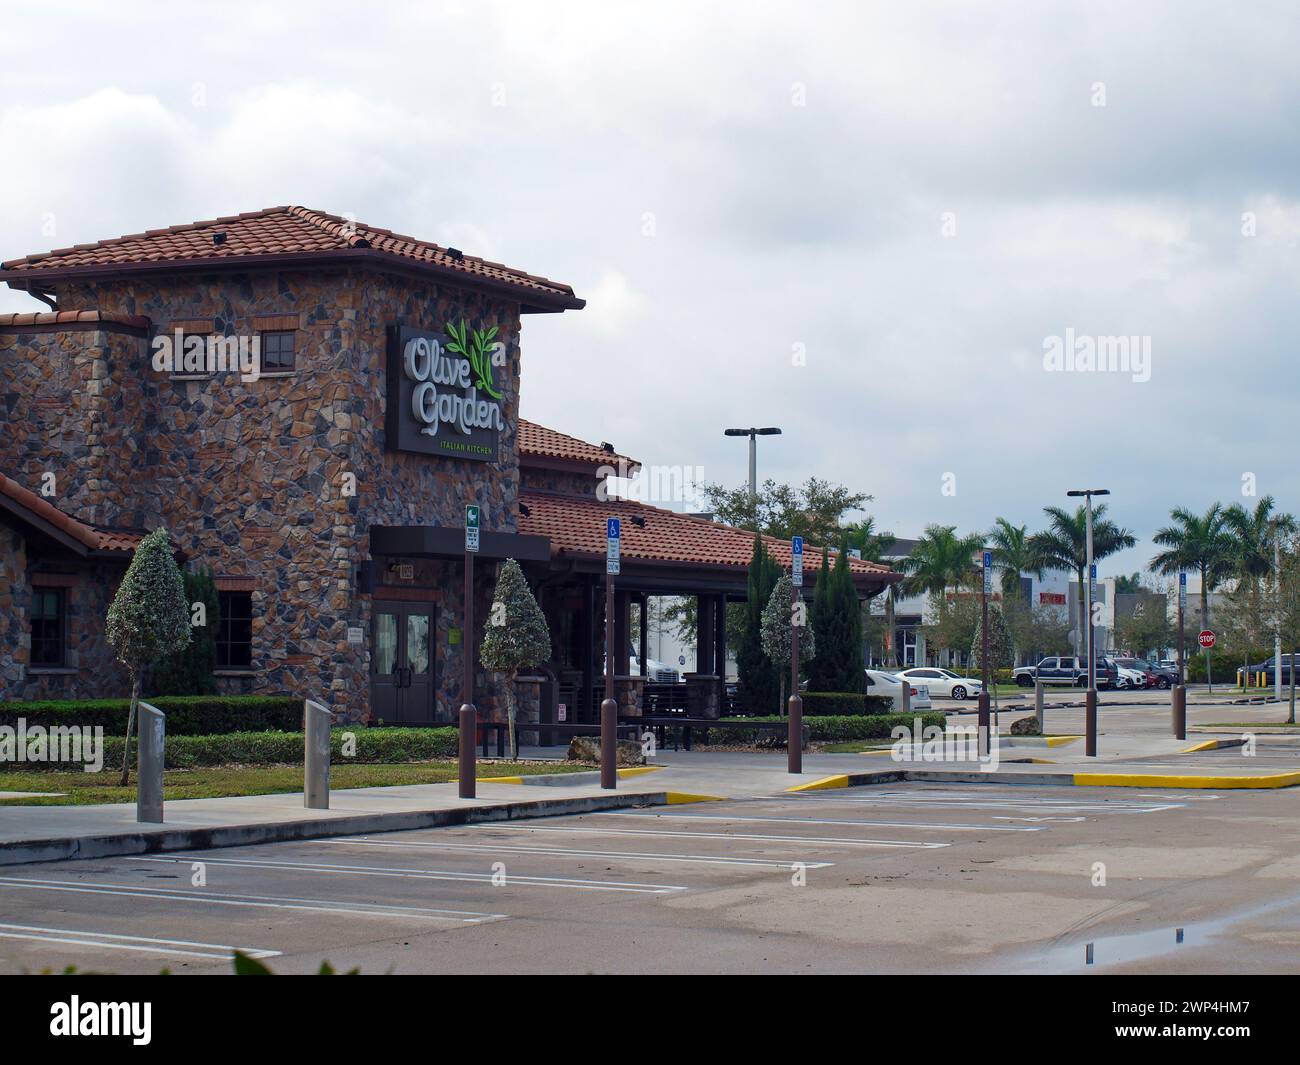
x=152 y=724
x=1090 y=722
x=906 y=707
x=317 y=720
x=1178 y=706
x=466 y=764
x=1038 y=707
x=794 y=734
x=609 y=743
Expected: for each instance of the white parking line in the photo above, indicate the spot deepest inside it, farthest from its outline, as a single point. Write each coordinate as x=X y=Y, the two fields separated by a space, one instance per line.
x=571 y=852
x=834 y=841
x=815 y=821
x=143 y=944
x=274 y=902
x=1051 y=805
x=437 y=874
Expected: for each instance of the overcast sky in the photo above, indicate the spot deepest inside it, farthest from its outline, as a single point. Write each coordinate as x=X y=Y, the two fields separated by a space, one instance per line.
x=859 y=222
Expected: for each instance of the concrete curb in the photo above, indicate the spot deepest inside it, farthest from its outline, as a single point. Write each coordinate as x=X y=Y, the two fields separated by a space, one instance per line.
x=560 y=780
x=1067 y=778
x=118 y=844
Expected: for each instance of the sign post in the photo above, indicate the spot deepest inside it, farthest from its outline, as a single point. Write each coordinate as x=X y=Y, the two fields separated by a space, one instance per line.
x=609 y=706
x=986 y=564
x=1206 y=640
x=794 y=735
x=468 y=714
x=1178 y=693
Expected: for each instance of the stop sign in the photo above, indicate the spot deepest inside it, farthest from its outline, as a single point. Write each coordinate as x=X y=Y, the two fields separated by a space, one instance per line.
x=1206 y=639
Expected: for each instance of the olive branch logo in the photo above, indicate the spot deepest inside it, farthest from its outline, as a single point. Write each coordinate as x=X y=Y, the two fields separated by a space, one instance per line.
x=478 y=349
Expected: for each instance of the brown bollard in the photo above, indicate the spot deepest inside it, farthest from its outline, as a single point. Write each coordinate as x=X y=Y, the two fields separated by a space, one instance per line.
x=609 y=743
x=794 y=735
x=1178 y=706
x=1090 y=720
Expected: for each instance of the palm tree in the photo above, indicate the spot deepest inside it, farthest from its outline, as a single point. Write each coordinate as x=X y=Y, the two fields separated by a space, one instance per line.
x=1014 y=553
x=940 y=560
x=1253 y=532
x=1200 y=542
x=1064 y=545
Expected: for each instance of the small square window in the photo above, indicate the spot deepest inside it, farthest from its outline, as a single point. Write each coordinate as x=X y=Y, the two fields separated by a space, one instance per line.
x=277 y=352
x=235 y=632
x=49 y=611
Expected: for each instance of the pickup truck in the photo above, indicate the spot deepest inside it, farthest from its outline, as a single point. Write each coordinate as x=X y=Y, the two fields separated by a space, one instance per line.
x=1065 y=670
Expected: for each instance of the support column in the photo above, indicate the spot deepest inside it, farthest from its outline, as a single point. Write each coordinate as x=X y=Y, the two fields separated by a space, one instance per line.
x=720 y=652
x=622 y=633
x=705 y=611
x=644 y=649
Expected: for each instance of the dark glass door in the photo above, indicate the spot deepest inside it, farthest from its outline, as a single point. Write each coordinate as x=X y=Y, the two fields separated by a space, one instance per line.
x=402 y=664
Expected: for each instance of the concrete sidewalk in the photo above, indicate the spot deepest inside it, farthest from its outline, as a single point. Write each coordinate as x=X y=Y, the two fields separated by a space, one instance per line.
x=45 y=833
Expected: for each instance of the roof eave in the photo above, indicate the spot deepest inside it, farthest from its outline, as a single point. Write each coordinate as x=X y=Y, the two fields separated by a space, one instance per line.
x=532 y=300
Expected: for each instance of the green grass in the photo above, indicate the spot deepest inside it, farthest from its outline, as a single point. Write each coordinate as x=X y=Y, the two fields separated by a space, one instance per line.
x=84 y=789
x=1249 y=724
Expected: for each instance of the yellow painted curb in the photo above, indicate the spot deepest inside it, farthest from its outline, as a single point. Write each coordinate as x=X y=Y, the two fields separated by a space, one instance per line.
x=1043 y=761
x=1208 y=745
x=638 y=770
x=500 y=780
x=1061 y=741
x=1135 y=780
x=676 y=798
x=841 y=781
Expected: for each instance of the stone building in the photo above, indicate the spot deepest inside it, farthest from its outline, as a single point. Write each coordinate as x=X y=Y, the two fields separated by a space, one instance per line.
x=309 y=405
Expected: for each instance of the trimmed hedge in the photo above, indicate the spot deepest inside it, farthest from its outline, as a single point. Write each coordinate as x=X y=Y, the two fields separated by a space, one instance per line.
x=832 y=704
x=373 y=745
x=834 y=729
x=187 y=715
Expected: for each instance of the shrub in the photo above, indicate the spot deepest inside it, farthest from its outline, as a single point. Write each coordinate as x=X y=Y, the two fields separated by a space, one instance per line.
x=823 y=704
x=839 y=729
x=192 y=715
x=373 y=746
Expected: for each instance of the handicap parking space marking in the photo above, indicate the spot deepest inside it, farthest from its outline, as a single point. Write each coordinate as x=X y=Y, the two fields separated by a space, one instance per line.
x=516 y=879
x=574 y=852
x=274 y=902
x=75 y=937
x=834 y=841
x=935 y=826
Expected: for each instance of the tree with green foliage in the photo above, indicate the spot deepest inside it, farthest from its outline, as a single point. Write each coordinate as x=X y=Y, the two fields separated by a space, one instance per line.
x=758 y=683
x=1014 y=553
x=814 y=511
x=1064 y=546
x=778 y=621
x=514 y=638
x=192 y=671
x=1198 y=542
x=1000 y=652
x=837 y=618
x=149 y=619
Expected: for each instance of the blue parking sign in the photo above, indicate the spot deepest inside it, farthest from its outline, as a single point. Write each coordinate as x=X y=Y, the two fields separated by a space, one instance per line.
x=796 y=545
x=613 y=531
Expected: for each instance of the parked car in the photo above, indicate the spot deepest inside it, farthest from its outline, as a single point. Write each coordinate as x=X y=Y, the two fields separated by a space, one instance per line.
x=1132 y=679
x=1067 y=670
x=944 y=682
x=1156 y=676
x=1267 y=667
x=881 y=683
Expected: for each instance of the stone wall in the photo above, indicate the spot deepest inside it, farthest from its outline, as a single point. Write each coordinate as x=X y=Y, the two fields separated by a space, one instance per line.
x=254 y=478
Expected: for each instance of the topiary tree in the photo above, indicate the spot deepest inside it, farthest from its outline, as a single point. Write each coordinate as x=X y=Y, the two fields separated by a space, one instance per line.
x=837 y=618
x=515 y=637
x=148 y=619
x=1000 y=652
x=192 y=671
x=777 y=624
x=758 y=683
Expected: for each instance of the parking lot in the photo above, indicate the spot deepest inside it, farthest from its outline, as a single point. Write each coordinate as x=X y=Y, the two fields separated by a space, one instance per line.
x=908 y=877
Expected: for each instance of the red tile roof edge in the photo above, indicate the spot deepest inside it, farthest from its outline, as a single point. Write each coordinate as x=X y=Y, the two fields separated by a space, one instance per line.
x=45 y=318
x=355 y=239
x=557 y=445
x=88 y=535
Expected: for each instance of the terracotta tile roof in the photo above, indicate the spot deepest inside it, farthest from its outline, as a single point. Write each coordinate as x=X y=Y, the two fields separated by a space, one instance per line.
x=72 y=318
x=89 y=536
x=538 y=441
x=279 y=232
x=576 y=526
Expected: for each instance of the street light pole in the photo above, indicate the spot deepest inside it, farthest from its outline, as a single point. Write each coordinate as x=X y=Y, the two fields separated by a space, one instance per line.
x=986 y=568
x=753 y=435
x=1277 y=617
x=1090 y=700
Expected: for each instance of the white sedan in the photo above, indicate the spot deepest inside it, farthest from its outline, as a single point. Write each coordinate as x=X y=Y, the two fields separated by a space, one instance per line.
x=881 y=683
x=944 y=682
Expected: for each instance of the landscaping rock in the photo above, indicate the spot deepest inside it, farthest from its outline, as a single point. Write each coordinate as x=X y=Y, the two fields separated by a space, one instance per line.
x=587 y=749
x=1026 y=726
